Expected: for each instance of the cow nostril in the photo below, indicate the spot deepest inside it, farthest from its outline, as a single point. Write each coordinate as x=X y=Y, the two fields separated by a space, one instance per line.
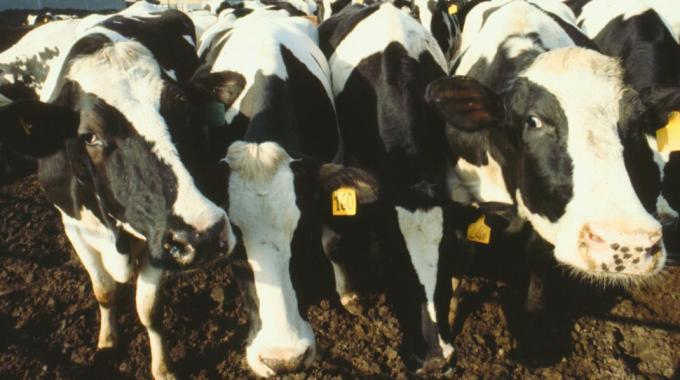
x=592 y=236
x=177 y=245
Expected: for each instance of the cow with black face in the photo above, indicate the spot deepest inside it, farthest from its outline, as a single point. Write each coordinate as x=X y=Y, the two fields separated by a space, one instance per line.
x=650 y=54
x=553 y=130
x=381 y=60
x=114 y=143
x=275 y=123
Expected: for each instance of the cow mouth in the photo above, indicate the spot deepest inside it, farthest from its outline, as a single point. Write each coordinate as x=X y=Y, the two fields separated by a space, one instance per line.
x=611 y=258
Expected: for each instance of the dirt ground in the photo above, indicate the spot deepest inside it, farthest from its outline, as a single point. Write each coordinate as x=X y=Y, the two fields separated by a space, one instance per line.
x=49 y=320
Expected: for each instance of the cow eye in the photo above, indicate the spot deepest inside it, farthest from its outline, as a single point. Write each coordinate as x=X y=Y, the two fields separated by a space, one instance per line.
x=92 y=140
x=534 y=122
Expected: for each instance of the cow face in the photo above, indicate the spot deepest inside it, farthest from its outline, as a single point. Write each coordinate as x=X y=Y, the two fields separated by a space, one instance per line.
x=263 y=205
x=131 y=123
x=576 y=145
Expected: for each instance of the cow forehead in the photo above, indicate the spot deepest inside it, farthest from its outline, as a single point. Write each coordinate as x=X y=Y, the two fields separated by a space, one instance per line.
x=125 y=75
x=588 y=85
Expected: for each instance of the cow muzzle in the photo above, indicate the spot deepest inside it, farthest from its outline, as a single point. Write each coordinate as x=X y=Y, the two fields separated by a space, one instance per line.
x=186 y=248
x=277 y=360
x=616 y=251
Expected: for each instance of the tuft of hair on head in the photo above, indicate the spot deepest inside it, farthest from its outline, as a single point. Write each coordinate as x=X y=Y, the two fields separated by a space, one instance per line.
x=256 y=162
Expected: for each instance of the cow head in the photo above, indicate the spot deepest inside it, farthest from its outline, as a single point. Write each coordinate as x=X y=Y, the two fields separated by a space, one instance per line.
x=131 y=123
x=568 y=137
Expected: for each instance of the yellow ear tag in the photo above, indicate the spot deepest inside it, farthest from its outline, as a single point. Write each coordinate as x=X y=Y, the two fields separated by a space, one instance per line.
x=668 y=137
x=479 y=232
x=453 y=9
x=344 y=202
x=358 y=1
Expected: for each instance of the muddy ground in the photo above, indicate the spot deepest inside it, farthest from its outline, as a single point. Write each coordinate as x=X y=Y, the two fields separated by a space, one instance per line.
x=49 y=321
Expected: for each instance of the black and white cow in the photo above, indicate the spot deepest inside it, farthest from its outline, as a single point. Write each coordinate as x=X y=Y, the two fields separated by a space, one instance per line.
x=634 y=32
x=381 y=61
x=438 y=16
x=24 y=65
x=114 y=141
x=270 y=84
x=553 y=130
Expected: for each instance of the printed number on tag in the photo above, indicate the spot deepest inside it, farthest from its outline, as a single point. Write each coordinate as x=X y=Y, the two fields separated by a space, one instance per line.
x=479 y=232
x=344 y=202
x=668 y=137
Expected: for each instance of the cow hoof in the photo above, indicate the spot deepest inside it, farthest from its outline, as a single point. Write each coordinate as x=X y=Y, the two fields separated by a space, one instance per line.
x=352 y=304
x=107 y=340
x=163 y=373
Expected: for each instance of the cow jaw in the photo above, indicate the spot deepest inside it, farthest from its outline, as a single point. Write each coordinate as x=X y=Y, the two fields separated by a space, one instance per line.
x=263 y=205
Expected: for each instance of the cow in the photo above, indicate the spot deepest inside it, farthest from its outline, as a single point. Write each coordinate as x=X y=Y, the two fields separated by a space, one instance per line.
x=114 y=137
x=439 y=17
x=45 y=17
x=24 y=65
x=381 y=61
x=551 y=129
x=202 y=20
x=634 y=32
x=668 y=10
x=274 y=124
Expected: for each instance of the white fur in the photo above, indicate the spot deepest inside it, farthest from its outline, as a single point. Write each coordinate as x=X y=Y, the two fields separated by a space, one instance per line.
x=263 y=207
x=596 y=14
x=254 y=46
x=364 y=40
x=57 y=35
x=470 y=183
x=148 y=284
x=603 y=193
x=665 y=213
x=423 y=231
x=515 y=18
x=90 y=236
x=202 y=20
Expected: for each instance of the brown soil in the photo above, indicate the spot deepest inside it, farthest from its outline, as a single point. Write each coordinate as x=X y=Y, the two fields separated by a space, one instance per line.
x=49 y=321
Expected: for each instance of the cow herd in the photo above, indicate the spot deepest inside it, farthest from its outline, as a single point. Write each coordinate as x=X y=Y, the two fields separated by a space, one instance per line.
x=169 y=141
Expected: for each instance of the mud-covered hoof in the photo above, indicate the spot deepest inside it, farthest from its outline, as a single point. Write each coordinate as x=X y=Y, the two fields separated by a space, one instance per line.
x=352 y=303
x=107 y=341
x=161 y=372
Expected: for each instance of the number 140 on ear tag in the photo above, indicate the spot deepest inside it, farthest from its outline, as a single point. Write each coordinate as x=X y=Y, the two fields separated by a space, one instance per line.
x=344 y=202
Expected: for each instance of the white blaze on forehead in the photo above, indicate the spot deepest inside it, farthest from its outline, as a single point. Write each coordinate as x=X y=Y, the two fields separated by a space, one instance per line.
x=125 y=75
x=423 y=231
x=262 y=204
x=363 y=41
x=517 y=19
x=589 y=87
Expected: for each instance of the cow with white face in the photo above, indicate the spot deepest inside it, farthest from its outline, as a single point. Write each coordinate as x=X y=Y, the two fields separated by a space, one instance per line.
x=115 y=148
x=553 y=130
x=644 y=41
x=381 y=61
x=275 y=123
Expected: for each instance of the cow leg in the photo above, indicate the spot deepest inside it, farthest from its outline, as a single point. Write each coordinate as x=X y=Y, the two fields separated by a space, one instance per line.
x=103 y=284
x=148 y=284
x=539 y=253
x=348 y=297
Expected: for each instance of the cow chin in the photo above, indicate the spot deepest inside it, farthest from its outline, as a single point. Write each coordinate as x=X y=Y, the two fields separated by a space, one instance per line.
x=610 y=256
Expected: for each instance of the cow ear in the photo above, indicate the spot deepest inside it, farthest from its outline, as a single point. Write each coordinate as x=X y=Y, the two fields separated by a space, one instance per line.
x=659 y=103
x=464 y=103
x=36 y=129
x=223 y=86
x=332 y=177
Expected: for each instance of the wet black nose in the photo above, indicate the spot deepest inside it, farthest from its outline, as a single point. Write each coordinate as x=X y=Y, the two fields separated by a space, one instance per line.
x=178 y=245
